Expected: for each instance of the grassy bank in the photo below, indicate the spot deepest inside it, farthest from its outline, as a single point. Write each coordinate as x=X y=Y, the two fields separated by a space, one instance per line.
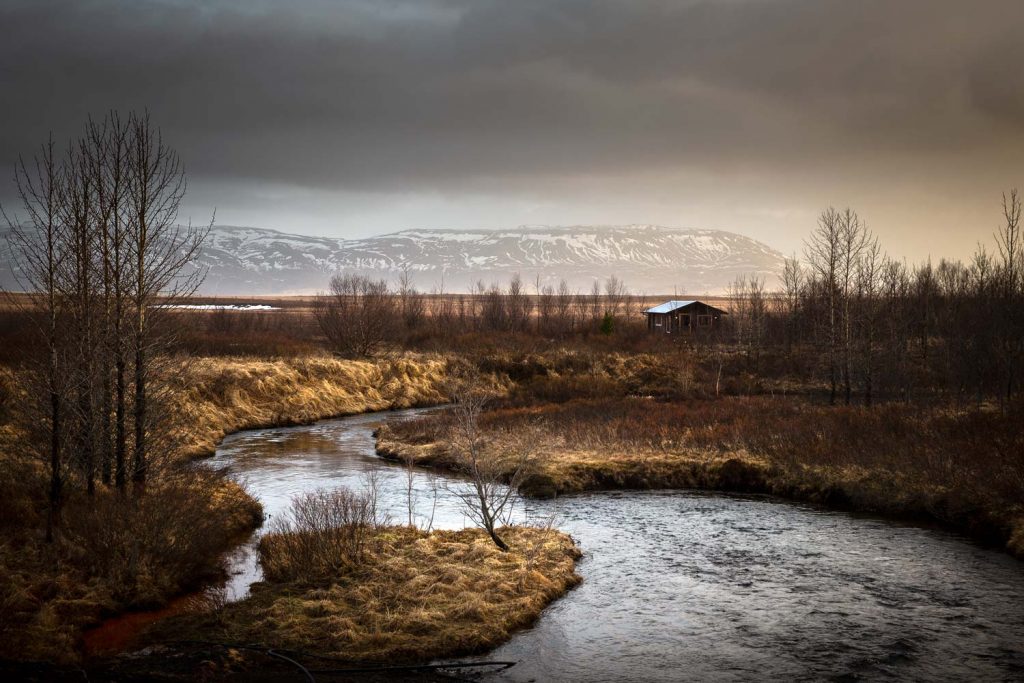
x=415 y=596
x=219 y=396
x=964 y=469
x=115 y=554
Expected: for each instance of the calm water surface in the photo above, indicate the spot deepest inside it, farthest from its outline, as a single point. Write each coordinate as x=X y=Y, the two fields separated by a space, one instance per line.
x=680 y=585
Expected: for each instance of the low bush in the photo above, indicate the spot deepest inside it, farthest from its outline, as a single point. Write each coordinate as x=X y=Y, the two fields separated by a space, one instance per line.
x=325 y=533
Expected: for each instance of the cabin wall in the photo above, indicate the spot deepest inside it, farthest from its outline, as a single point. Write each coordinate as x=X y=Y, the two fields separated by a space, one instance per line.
x=686 y=319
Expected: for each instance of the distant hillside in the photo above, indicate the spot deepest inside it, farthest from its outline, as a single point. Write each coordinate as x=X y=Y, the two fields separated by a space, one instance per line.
x=648 y=258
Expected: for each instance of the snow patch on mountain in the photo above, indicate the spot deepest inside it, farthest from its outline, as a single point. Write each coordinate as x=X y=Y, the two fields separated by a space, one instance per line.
x=648 y=258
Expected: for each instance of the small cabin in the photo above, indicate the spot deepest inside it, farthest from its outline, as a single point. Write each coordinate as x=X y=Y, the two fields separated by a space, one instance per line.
x=674 y=317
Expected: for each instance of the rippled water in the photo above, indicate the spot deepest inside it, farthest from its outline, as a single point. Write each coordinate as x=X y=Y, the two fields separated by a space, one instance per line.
x=680 y=585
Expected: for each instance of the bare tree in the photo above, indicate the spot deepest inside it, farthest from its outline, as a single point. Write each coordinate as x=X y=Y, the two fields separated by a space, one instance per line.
x=113 y=169
x=159 y=250
x=823 y=253
x=40 y=248
x=518 y=305
x=411 y=301
x=615 y=295
x=1010 y=244
x=494 y=312
x=895 y=295
x=749 y=314
x=495 y=477
x=596 y=312
x=855 y=240
x=868 y=282
x=563 y=307
x=1009 y=240
x=545 y=308
x=792 y=286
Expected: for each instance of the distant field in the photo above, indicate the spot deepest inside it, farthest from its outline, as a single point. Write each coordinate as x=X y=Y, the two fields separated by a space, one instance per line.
x=293 y=303
x=305 y=302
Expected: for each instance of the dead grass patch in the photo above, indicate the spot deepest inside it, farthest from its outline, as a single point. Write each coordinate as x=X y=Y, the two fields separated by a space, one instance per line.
x=113 y=555
x=416 y=596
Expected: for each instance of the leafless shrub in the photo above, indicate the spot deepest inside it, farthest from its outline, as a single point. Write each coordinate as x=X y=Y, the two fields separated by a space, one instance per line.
x=358 y=316
x=325 y=533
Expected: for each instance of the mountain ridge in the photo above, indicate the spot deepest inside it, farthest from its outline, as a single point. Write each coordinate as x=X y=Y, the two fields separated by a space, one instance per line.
x=243 y=260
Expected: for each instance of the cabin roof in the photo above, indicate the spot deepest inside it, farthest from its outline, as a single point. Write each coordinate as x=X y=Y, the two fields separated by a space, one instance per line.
x=670 y=306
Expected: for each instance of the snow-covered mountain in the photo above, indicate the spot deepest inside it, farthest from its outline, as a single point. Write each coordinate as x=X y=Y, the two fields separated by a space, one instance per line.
x=647 y=258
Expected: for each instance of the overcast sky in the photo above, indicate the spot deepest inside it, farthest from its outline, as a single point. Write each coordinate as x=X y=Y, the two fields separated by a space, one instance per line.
x=353 y=118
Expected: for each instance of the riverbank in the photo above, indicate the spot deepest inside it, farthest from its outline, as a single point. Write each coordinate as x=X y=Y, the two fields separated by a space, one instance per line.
x=113 y=556
x=961 y=469
x=415 y=597
x=219 y=396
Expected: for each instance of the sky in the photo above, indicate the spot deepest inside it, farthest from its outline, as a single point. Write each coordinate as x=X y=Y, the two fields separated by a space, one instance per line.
x=352 y=118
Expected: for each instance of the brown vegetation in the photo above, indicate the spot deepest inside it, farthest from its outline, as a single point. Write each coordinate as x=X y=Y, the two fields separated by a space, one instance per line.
x=415 y=596
x=218 y=396
x=325 y=533
x=112 y=555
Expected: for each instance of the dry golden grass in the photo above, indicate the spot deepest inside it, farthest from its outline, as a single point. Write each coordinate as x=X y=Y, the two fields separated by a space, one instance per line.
x=417 y=596
x=219 y=396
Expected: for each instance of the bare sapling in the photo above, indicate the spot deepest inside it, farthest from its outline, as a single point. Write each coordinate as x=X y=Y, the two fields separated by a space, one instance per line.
x=412 y=496
x=494 y=475
x=409 y=463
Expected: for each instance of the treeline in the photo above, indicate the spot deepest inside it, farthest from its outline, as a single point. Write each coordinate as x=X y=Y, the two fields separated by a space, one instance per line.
x=359 y=315
x=97 y=243
x=875 y=325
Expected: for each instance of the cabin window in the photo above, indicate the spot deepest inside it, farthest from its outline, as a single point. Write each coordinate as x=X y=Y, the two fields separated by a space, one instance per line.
x=704 y=320
x=685 y=319
x=657 y=322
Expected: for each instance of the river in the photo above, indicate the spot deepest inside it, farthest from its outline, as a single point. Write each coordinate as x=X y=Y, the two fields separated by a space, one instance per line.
x=684 y=585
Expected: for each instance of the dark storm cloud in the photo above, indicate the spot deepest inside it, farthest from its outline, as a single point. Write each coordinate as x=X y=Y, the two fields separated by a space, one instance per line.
x=400 y=95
